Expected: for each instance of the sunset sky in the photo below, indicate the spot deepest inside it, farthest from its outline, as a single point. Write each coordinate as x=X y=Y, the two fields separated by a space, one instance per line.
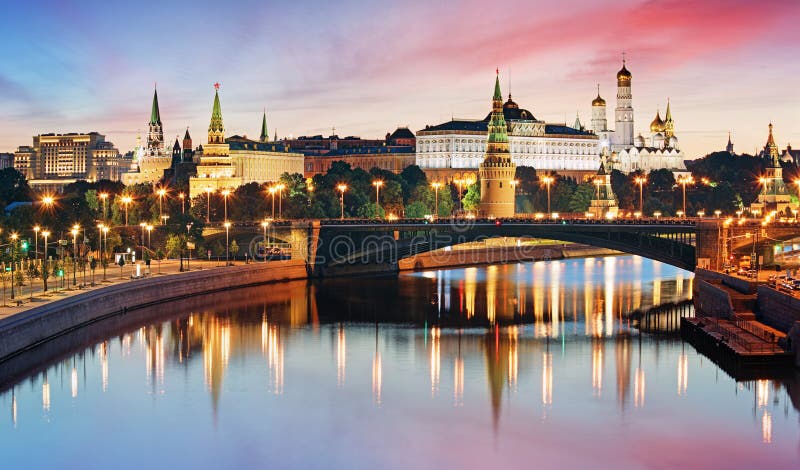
x=367 y=67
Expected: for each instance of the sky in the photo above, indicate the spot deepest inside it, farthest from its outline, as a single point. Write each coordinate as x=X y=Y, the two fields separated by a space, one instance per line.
x=366 y=67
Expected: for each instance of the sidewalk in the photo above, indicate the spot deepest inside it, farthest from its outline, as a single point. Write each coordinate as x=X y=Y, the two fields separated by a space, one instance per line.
x=55 y=292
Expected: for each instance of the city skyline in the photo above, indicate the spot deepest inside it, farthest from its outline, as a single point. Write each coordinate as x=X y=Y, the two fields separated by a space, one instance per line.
x=725 y=66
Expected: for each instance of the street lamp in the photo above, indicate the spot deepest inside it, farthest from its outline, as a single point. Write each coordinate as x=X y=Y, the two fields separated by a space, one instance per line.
x=264 y=225
x=183 y=202
x=149 y=230
x=377 y=185
x=227 y=243
x=48 y=201
x=161 y=193
x=342 y=188
x=641 y=180
x=126 y=201
x=103 y=197
x=280 y=188
x=14 y=238
x=272 y=190
x=436 y=185
x=74 y=232
x=548 y=180
x=683 y=181
x=718 y=213
x=144 y=226
x=225 y=194
x=36 y=242
x=105 y=245
x=45 y=234
x=209 y=190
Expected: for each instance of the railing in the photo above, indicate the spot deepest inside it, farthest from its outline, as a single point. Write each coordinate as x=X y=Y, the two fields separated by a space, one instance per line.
x=728 y=336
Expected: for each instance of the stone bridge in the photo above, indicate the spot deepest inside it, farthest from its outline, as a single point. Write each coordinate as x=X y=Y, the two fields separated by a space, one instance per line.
x=357 y=246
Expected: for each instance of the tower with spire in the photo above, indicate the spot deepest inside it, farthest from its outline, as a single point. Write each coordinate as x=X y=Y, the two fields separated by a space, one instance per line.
x=155 y=132
x=177 y=156
x=496 y=172
x=773 y=195
x=264 y=137
x=729 y=147
x=623 y=130
x=216 y=129
x=669 y=124
x=188 y=152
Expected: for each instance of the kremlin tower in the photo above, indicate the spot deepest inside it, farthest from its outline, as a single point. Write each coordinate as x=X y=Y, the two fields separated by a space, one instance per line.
x=496 y=172
x=623 y=132
x=155 y=133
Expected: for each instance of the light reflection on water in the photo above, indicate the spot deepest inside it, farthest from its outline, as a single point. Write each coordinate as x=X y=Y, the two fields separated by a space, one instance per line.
x=536 y=362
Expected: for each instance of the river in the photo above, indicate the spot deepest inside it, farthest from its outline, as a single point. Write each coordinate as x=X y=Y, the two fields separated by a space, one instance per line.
x=530 y=364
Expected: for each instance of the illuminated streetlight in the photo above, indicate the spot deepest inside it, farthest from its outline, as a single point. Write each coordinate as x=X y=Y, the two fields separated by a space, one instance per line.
x=342 y=188
x=126 y=201
x=104 y=197
x=683 y=181
x=548 y=180
x=280 y=188
x=105 y=245
x=74 y=232
x=436 y=185
x=183 y=202
x=225 y=193
x=640 y=180
x=264 y=225
x=36 y=230
x=14 y=238
x=272 y=190
x=718 y=213
x=161 y=193
x=149 y=229
x=377 y=185
x=227 y=243
x=45 y=234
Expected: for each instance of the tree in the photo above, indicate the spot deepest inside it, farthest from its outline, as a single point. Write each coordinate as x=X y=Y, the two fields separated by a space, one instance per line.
x=416 y=210
x=234 y=249
x=13 y=187
x=472 y=199
x=175 y=244
x=371 y=211
x=582 y=197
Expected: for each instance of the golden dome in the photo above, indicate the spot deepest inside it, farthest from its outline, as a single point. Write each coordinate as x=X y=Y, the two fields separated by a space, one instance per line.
x=658 y=124
x=624 y=74
x=598 y=101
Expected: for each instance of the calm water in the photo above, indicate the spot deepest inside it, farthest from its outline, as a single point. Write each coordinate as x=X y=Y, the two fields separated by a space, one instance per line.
x=535 y=364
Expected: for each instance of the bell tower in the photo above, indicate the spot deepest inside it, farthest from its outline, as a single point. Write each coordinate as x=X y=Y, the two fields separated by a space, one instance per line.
x=623 y=130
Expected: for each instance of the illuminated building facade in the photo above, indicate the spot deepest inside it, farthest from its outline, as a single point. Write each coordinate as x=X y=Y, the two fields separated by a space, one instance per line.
x=773 y=195
x=227 y=163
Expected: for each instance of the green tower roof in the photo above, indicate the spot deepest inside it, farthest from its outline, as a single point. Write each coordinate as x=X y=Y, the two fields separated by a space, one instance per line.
x=497 y=94
x=155 y=114
x=264 y=131
x=216 y=112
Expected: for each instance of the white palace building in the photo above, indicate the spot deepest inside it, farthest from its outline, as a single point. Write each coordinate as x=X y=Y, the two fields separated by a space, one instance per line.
x=453 y=150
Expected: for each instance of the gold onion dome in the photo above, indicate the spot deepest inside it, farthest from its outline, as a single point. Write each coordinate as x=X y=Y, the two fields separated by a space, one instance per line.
x=598 y=101
x=624 y=74
x=658 y=124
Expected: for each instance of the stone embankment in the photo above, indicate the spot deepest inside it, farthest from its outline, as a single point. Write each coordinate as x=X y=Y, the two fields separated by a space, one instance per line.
x=27 y=329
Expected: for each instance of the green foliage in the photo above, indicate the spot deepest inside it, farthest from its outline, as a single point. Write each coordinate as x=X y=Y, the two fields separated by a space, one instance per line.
x=472 y=198
x=13 y=187
x=581 y=198
x=234 y=248
x=417 y=210
x=371 y=211
x=174 y=245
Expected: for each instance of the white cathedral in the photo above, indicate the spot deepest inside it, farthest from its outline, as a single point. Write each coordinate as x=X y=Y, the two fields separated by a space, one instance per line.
x=659 y=150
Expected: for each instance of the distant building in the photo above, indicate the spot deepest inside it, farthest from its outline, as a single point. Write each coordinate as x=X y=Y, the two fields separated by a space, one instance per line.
x=401 y=136
x=6 y=160
x=55 y=160
x=774 y=195
x=227 y=163
x=150 y=161
x=454 y=150
x=729 y=146
x=387 y=158
x=319 y=145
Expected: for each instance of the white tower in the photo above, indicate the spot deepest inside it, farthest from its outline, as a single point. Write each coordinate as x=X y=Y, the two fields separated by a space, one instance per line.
x=599 y=121
x=624 y=112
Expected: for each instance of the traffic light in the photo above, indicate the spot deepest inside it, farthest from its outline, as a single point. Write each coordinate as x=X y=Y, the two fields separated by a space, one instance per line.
x=24 y=246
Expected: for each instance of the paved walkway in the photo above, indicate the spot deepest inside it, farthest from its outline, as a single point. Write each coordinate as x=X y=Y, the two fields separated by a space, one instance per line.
x=55 y=292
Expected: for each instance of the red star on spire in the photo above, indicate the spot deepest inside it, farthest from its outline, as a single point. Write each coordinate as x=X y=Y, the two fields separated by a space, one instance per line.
x=216 y=86
x=497 y=71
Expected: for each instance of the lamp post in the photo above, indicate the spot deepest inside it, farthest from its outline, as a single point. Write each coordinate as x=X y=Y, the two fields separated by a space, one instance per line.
x=126 y=201
x=36 y=242
x=48 y=201
x=74 y=232
x=227 y=243
x=640 y=180
x=14 y=238
x=149 y=229
x=459 y=182
x=183 y=202
x=436 y=185
x=280 y=187
x=144 y=226
x=377 y=185
x=161 y=193
x=342 y=188
x=188 y=249
x=272 y=190
x=225 y=193
x=264 y=225
x=683 y=181
x=208 y=204
x=548 y=180
x=105 y=245
x=104 y=197
x=45 y=234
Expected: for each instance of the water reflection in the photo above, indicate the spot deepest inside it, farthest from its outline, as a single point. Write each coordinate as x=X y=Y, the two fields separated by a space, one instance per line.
x=519 y=340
